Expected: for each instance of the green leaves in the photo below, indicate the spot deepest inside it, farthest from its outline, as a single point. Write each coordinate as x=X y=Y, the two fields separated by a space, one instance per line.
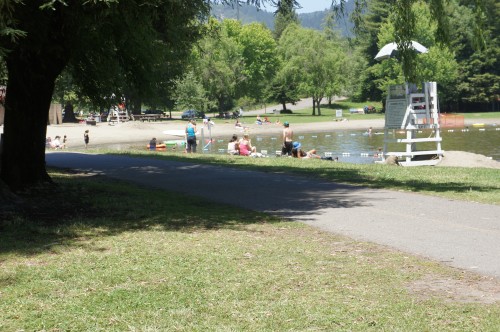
x=315 y=60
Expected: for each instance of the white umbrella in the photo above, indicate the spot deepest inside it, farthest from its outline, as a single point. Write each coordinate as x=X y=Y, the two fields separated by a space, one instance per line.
x=390 y=49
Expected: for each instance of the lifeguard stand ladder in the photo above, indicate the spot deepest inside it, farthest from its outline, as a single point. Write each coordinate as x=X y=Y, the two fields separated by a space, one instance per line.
x=413 y=111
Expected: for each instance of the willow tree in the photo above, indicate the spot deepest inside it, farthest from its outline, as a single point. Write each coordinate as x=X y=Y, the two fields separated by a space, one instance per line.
x=101 y=42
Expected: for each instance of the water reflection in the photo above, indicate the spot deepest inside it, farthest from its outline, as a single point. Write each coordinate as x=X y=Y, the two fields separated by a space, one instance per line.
x=356 y=146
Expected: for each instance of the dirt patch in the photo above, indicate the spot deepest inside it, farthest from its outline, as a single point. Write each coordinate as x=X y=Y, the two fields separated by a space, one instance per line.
x=482 y=290
x=467 y=159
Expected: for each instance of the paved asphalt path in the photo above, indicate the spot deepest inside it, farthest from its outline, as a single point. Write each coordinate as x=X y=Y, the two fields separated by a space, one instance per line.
x=460 y=234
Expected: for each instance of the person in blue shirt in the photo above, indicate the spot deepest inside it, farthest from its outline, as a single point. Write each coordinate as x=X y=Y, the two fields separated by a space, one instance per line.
x=191 y=137
x=152 y=144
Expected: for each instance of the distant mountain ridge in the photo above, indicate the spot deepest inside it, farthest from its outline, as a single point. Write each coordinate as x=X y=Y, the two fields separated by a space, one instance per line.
x=249 y=14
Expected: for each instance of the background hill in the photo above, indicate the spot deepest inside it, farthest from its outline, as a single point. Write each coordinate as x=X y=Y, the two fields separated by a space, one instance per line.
x=249 y=14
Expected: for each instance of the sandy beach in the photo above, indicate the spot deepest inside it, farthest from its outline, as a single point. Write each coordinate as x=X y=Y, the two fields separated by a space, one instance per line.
x=137 y=132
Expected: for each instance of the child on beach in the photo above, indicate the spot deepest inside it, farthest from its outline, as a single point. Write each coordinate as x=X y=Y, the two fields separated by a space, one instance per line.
x=86 y=138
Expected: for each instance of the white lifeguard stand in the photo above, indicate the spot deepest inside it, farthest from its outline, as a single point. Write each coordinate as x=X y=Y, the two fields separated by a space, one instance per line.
x=413 y=111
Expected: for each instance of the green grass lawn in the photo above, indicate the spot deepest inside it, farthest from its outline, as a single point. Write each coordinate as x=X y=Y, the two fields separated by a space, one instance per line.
x=305 y=115
x=483 y=115
x=101 y=255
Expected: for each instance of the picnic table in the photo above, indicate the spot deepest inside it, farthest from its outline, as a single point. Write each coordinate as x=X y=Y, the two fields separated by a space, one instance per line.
x=146 y=117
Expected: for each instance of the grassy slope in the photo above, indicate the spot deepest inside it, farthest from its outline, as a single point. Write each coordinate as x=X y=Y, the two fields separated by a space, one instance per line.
x=110 y=256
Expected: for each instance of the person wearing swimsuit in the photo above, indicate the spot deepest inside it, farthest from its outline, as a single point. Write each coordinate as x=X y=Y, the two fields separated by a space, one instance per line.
x=287 y=140
x=191 y=137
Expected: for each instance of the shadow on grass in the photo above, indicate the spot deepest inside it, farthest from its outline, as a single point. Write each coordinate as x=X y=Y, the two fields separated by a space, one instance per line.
x=79 y=208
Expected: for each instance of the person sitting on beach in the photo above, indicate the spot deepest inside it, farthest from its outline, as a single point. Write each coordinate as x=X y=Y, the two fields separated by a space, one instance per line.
x=259 y=120
x=297 y=152
x=49 y=143
x=57 y=143
x=233 y=146
x=266 y=120
x=245 y=145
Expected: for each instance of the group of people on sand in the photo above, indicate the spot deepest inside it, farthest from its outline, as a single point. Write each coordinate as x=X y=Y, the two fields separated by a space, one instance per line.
x=56 y=143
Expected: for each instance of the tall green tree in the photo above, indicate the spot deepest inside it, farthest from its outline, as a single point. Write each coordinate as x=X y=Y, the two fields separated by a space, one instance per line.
x=261 y=60
x=366 y=45
x=479 y=87
x=219 y=63
x=284 y=87
x=191 y=94
x=234 y=61
x=317 y=60
x=284 y=15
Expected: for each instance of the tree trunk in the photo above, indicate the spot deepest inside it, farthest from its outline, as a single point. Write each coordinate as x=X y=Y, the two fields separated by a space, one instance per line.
x=33 y=64
x=318 y=102
x=29 y=92
x=136 y=105
x=69 y=114
x=284 y=106
x=314 y=107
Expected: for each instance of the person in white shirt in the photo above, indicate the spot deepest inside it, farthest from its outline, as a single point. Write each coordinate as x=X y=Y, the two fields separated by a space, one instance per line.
x=233 y=146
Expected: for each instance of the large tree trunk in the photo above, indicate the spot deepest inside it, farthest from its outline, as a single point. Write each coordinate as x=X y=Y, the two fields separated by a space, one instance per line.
x=29 y=92
x=33 y=64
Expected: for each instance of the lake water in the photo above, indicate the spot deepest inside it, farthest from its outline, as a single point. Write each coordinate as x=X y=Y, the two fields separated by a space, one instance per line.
x=358 y=147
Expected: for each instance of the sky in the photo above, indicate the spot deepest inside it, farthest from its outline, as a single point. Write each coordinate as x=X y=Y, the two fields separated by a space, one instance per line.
x=309 y=6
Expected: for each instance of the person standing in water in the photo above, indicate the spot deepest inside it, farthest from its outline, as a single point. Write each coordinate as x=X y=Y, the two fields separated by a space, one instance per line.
x=191 y=137
x=287 y=140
